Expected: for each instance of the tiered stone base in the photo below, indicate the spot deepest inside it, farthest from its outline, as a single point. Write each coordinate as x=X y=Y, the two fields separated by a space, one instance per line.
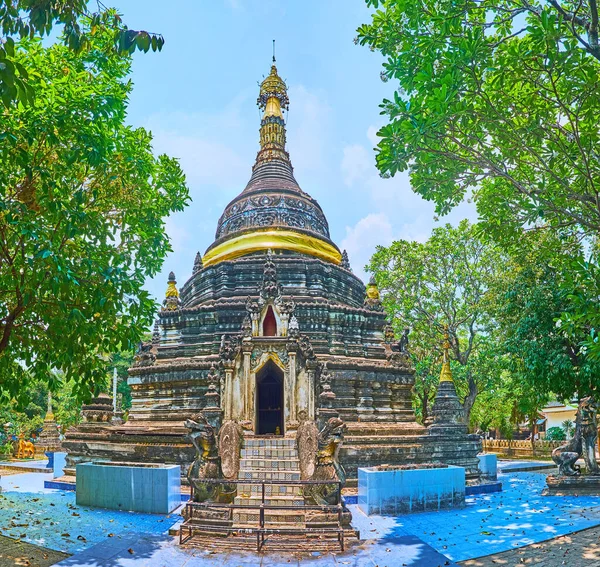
x=559 y=485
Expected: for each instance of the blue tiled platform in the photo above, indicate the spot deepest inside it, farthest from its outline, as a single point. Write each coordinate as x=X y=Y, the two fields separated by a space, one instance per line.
x=153 y=489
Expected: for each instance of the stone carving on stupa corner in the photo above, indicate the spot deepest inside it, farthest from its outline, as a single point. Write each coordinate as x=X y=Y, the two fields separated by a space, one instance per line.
x=570 y=479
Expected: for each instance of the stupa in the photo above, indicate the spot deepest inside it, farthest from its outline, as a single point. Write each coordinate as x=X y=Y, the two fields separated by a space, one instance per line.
x=49 y=439
x=274 y=310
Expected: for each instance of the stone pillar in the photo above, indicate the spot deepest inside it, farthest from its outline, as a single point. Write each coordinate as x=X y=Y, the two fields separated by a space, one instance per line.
x=291 y=393
x=311 y=366
x=228 y=390
x=247 y=384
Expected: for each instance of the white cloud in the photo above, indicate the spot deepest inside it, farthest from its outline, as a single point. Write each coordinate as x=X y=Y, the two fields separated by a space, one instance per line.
x=361 y=240
x=356 y=162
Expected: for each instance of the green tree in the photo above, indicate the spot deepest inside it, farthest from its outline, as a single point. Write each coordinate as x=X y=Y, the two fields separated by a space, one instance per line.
x=498 y=98
x=36 y=18
x=530 y=300
x=82 y=208
x=443 y=281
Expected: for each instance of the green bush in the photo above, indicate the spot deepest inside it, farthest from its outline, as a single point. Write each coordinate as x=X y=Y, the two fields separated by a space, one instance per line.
x=556 y=434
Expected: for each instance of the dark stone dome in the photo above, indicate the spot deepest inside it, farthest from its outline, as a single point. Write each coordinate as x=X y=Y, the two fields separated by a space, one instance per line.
x=272 y=198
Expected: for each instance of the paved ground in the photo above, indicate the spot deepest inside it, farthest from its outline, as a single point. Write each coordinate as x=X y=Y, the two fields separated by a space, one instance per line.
x=581 y=549
x=51 y=518
x=16 y=553
x=135 y=550
x=491 y=523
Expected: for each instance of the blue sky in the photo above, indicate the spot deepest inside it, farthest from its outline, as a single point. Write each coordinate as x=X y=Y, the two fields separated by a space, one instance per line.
x=198 y=97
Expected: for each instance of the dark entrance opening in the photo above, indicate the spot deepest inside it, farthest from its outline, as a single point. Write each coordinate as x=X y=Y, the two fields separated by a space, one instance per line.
x=269 y=400
x=269 y=323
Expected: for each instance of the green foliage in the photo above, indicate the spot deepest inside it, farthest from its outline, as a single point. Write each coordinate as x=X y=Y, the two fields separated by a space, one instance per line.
x=568 y=427
x=498 y=98
x=26 y=19
x=82 y=208
x=530 y=300
x=443 y=281
x=555 y=434
x=497 y=101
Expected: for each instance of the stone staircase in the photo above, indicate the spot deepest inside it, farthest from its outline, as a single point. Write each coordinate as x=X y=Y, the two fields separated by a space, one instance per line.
x=269 y=458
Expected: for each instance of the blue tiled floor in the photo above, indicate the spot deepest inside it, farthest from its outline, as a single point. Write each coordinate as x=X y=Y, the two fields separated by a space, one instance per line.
x=135 y=550
x=488 y=524
x=51 y=519
x=491 y=523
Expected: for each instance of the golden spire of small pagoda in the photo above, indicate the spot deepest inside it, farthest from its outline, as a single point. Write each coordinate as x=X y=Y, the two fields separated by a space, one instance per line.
x=446 y=374
x=49 y=412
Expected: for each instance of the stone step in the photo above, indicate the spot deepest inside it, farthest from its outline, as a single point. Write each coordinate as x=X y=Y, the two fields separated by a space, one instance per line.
x=272 y=517
x=269 y=443
x=257 y=463
x=253 y=490
x=254 y=474
x=269 y=453
x=277 y=500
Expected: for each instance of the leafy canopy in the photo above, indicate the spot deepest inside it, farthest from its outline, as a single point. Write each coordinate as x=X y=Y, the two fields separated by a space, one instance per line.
x=82 y=208
x=36 y=18
x=498 y=98
x=444 y=281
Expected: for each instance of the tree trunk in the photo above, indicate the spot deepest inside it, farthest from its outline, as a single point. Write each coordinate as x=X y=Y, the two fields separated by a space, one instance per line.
x=469 y=400
x=425 y=407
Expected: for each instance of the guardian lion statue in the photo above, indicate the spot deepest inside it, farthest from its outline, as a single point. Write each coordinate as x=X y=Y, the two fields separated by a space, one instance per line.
x=207 y=464
x=583 y=442
x=327 y=465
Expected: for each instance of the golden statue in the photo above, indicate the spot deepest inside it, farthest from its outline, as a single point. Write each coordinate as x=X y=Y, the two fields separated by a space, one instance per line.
x=25 y=449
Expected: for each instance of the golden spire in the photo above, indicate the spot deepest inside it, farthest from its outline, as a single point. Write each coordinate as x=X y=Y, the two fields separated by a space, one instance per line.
x=49 y=413
x=171 y=301
x=272 y=99
x=446 y=374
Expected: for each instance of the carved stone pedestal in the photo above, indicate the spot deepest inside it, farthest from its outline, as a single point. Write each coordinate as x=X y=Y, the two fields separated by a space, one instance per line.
x=561 y=485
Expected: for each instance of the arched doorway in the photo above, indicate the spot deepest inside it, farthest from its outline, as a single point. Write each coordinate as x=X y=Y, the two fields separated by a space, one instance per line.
x=269 y=323
x=269 y=400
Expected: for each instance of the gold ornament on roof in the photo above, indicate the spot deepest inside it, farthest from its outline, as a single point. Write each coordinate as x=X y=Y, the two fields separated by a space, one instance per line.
x=273 y=87
x=372 y=289
x=446 y=374
x=171 y=302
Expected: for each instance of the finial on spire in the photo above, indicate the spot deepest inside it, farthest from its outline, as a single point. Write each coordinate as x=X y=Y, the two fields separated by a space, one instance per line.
x=273 y=51
x=446 y=374
x=172 y=301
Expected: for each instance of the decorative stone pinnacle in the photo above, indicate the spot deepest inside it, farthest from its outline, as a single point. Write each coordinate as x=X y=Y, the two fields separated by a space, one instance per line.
x=270 y=287
x=197 y=263
x=171 y=302
x=327 y=395
x=345 y=263
x=446 y=373
x=372 y=297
